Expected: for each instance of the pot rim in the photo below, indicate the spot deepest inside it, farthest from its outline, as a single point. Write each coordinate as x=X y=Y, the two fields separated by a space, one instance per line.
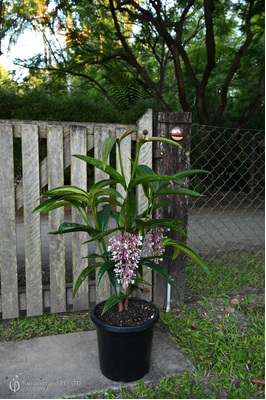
x=125 y=329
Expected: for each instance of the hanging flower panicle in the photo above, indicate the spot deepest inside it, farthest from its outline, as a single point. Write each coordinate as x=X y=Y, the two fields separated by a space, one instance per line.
x=152 y=242
x=126 y=250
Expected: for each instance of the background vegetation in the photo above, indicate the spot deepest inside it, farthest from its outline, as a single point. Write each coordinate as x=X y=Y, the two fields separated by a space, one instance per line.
x=106 y=60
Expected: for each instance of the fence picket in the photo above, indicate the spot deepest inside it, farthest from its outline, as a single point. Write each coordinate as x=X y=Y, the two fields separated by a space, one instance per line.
x=145 y=157
x=55 y=173
x=32 y=224
x=126 y=156
x=78 y=145
x=8 y=245
x=100 y=134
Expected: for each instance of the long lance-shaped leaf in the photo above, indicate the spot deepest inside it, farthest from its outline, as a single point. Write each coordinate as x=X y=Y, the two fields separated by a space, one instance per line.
x=101 y=235
x=106 y=149
x=99 y=164
x=50 y=204
x=164 y=140
x=114 y=281
x=181 y=191
x=112 y=301
x=108 y=200
x=104 y=268
x=189 y=172
x=185 y=249
x=151 y=178
x=64 y=190
x=103 y=183
x=159 y=270
x=84 y=275
x=127 y=133
x=104 y=192
x=164 y=223
x=77 y=197
x=154 y=207
x=68 y=227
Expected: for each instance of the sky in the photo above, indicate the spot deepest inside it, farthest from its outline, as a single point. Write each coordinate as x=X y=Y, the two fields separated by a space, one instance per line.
x=28 y=44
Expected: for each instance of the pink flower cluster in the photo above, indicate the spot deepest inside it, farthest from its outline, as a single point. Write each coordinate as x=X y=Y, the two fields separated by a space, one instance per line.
x=126 y=250
x=152 y=242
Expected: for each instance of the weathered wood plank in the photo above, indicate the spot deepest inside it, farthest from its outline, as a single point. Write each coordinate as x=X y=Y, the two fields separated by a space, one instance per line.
x=55 y=172
x=145 y=157
x=8 y=244
x=126 y=157
x=78 y=145
x=100 y=134
x=32 y=225
x=42 y=126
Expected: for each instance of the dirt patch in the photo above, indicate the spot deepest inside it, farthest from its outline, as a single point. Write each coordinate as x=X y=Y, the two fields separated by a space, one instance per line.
x=137 y=313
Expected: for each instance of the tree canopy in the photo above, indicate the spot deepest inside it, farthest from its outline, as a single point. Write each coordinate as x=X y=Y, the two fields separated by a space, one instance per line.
x=202 y=56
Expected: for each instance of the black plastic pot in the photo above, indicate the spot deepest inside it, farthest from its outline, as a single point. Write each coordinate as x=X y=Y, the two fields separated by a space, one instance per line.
x=125 y=352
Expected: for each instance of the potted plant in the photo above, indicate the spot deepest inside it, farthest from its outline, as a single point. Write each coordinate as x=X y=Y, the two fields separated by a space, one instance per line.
x=124 y=324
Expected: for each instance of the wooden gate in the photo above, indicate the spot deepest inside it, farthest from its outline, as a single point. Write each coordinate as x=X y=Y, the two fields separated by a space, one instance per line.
x=63 y=140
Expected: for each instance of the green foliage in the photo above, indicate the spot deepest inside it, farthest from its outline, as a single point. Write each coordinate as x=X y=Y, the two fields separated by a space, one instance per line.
x=126 y=217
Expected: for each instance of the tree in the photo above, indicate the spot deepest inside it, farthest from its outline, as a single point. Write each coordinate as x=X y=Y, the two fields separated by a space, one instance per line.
x=202 y=56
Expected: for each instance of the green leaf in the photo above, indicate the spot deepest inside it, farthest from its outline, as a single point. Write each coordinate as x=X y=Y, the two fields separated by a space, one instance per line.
x=104 y=268
x=99 y=164
x=64 y=190
x=127 y=133
x=84 y=275
x=140 y=180
x=180 y=191
x=114 y=281
x=188 y=251
x=164 y=140
x=106 y=149
x=68 y=227
x=112 y=301
x=103 y=217
x=103 y=183
x=50 y=204
x=189 y=172
x=165 y=223
x=101 y=235
x=159 y=270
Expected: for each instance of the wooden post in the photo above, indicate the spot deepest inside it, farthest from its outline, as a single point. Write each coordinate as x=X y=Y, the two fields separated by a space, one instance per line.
x=169 y=160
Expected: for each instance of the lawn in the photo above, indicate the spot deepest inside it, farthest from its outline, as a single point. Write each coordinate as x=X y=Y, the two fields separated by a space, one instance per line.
x=220 y=329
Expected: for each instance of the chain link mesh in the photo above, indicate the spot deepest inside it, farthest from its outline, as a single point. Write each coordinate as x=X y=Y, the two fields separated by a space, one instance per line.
x=226 y=224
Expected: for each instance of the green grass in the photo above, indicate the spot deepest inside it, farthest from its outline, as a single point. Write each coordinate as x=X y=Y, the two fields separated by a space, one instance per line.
x=229 y=273
x=23 y=328
x=226 y=348
x=222 y=333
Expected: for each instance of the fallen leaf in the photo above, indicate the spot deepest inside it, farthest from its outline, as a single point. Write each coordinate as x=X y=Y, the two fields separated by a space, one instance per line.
x=201 y=358
x=234 y=301
x=258 y=381
x=193 y=328
x=250 y=308
x=230 y=310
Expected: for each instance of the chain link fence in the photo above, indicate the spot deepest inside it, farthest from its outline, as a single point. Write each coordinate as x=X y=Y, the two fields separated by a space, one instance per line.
x=226 y=225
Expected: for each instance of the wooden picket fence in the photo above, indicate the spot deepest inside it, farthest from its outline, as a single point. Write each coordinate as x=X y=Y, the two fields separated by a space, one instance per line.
x=63 y=140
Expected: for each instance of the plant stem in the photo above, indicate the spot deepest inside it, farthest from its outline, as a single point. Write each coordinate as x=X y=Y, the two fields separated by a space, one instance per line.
x=120 y=306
